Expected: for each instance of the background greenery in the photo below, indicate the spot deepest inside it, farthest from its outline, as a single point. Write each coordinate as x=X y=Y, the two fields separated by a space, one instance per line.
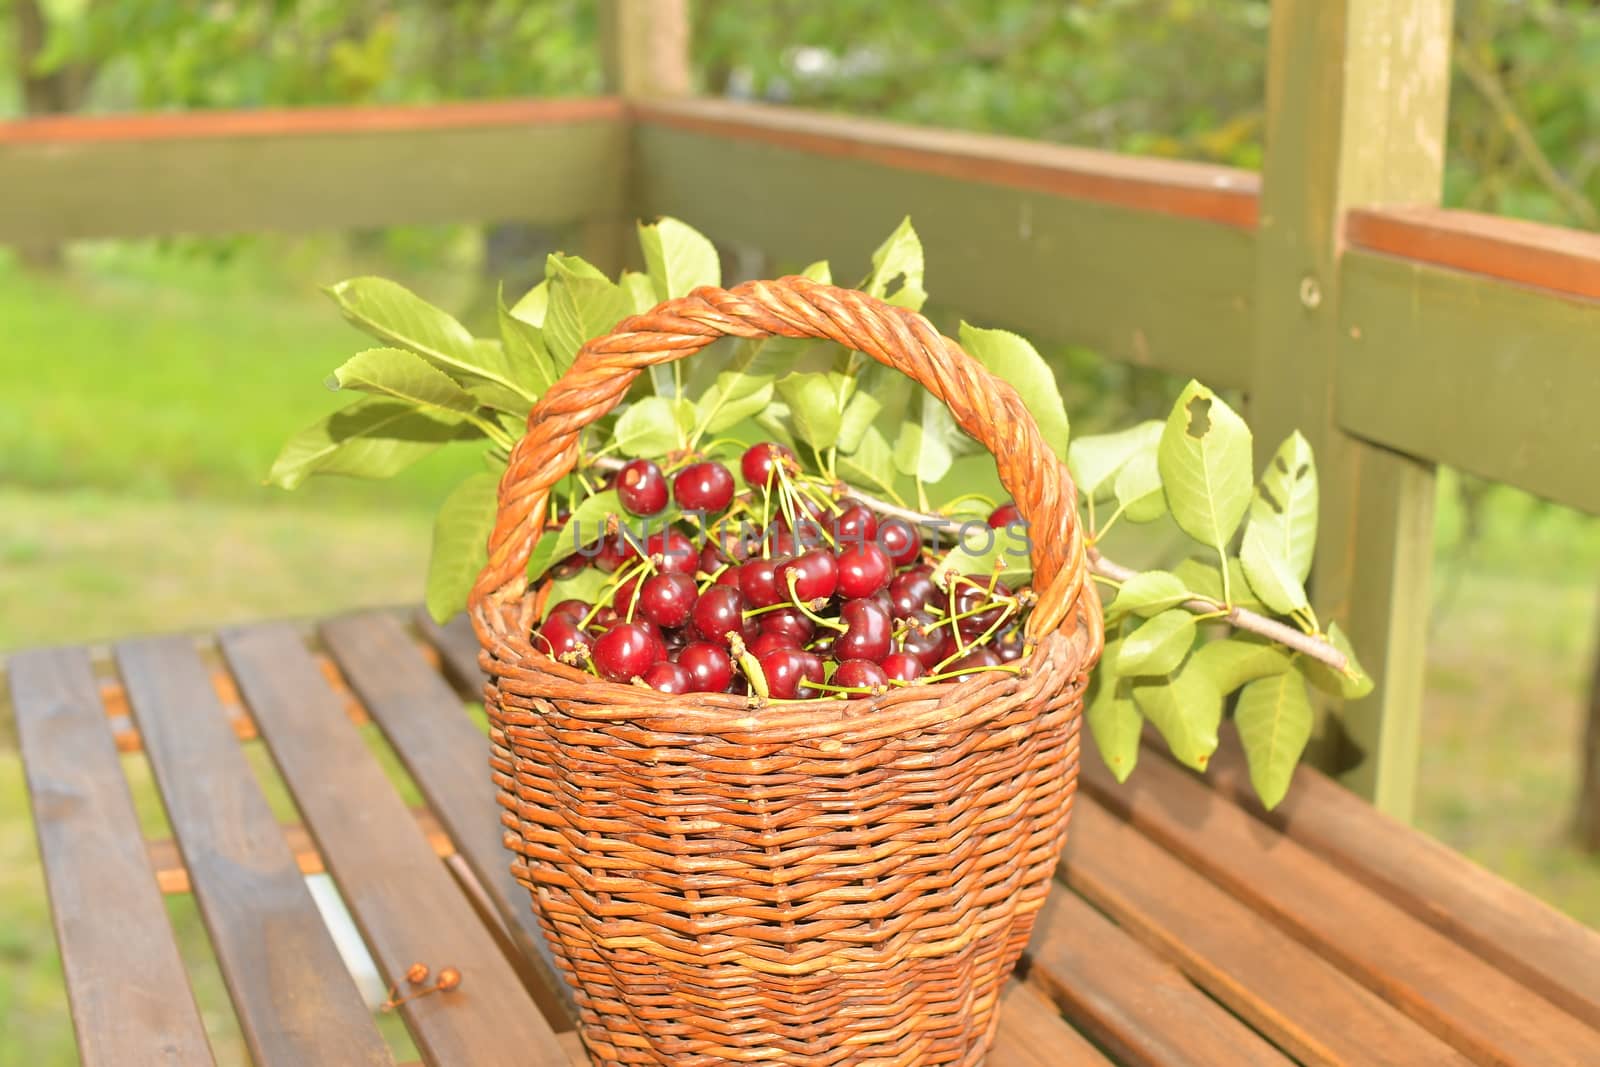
x=123 y=511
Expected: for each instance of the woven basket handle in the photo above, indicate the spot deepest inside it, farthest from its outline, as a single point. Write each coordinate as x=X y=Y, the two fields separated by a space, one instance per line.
x=983 y=405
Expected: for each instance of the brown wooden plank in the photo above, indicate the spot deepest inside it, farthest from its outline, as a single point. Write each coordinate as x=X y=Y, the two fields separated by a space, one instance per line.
x=1137 y=1006
x=1279 y=986
x=457 y=646
x=295 y=1000
x=1453 y=993
x=405 y=903
x=130 y=996
x=1528 y=253
x=1032 y=1033
x=448 y=757
x=1518 y=933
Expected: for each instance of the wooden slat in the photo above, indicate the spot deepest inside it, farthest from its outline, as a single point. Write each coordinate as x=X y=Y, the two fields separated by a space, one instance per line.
x=1430 y=978
x=1497 y=379
x=1542 y=948
x=457 y=647
x=130 y=996
x=1283 y=989
x=448 y=757
x=1135 y=1005
x=1038 y=256
x=1528 y=253
x=1033 y=1034
x=294 y=173
x=406 y=905
x=295 y=1000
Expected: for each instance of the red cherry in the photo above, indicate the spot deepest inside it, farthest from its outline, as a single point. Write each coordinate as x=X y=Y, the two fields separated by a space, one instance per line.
x=668 y=599
x=759 y=460
x=972 y=592
x=882 y=599
x=788 y=670
x=789 y=621
x=1004 y=516
x=560 y=635
x=642 y=487
x=566 y=568
x=868 y=636
x=926 y=645
x=719 y=612
x=861 y=674
x=668 y=677
x=709 y=665
x=900 y=540
x=863 y=570
x=604 y=619
x=703 y=487
x=611 y=555
x=729 y=577
x=577 y=609
x=856 y=524
x=771 y=639
x=626 y=651
x=968 y=665
x=758 y=581
x=813 y=576
x=1008 y=643
x=910 y=592
x=901 y=667
x=671 y=550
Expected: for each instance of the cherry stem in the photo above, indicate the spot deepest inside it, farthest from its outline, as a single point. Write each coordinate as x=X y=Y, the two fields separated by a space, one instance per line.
x=806 y=610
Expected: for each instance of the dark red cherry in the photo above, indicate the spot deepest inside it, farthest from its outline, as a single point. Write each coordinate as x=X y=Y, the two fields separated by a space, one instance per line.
x=709 y=665
x=900 y=540
x=712 y=559
x=642 y=487
x=881 y=598
x=863 y=570
x=758 y=461
x=910 y=592
x=758 y=581
x=560 y=635
x=868 y=634
x=729 y=577
x=1009 y=643
x=822 y=644
x=813 y=576
x=667 y=599
x=566 y=568
x=703 y=487
x=861 y=674
x=626 y=651
x=719 y=612
x=924 y=644
x=969 y=664
x=577 y=609
x=789 y=621
x=901 y=667
x=604 y=619
x=788 y=670
x=672 y=552
x=623 y=597
x=613 y=551
x=855 y=525
x=771 y=639
x=1004 y=516
x=971 y=593
x=665 y=676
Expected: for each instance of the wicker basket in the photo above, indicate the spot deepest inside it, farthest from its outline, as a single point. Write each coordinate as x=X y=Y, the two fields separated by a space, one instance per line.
x=825 y=882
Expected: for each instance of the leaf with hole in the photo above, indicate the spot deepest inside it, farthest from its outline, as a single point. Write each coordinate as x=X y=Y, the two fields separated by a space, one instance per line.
x=678 y=258
x=460 y=543
x=1204 y=458
x=1016 y=361
x=1157 y=645
x=1285 y=505
x=1270 y=575
x=899 y=258
x=1274 y=718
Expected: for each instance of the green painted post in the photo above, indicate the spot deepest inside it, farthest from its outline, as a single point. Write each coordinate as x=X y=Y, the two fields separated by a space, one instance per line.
x=1356 y=98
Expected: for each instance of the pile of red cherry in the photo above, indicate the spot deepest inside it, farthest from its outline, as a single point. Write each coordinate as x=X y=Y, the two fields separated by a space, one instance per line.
x=831 y=601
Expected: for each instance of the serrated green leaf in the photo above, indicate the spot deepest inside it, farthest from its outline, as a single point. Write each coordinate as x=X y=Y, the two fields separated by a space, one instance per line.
x=529 y=362
x=1187 y=709
x=733 y=398
x=654 y=426
x=858 y=415
x=1274 y=718
x=899 y=257
x=404 y=376
x=1016 y=361
x=1148 y=593
x=460 y=543
x=1354 y=684
x=1285 y=505
x=1269 y=574
x=678 y=257
x=984 y=552
x=370 y=438
x=584 y=304
x=1205 y=581
x=1114 y=719
x=1095 y=460
x=1237 y=659
x=1138 y=487
x=534 y=305
x=1204 y=458
x=816 y=407
x=586 y=525
x=1157 y=645
x=872 y=461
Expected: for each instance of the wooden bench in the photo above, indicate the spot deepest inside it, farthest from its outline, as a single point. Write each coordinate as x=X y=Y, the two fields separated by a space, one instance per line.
x=1189 y=926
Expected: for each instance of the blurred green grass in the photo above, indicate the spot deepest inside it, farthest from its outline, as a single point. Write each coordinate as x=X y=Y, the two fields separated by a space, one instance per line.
x=143 y=395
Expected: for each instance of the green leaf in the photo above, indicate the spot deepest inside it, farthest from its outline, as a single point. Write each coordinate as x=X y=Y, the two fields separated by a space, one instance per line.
x=533 y=306
x=640 y=292
x=1270 y=575
x=1205 y=466
x=899 y=257
x=1094 y=460
x=816 y=407
x=404 y=376
x=872 y=461
x=1353 y=684
x=1205 y=581
x=1158 y=644
x=983 y=552
x=733 y=398
x=1148 y=593
x=1240 y=658
x=921 y=454
x=1274 y=718
x=819 y=272
x=1114 y=720
x=460 y=543
x=1187 y=709
x=398 y=316
x=584 y=304
x=585 y=585
x=529 y=362
x=678 y=257
x=1019 y=363
x=654 y=426
x=1138 y=487
x=588 y=521
x=1285 y=505
x=858 y=415
x=370 y=438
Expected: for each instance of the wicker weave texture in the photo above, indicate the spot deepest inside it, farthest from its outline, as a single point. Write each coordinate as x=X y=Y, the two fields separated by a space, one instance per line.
x=822 y=882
